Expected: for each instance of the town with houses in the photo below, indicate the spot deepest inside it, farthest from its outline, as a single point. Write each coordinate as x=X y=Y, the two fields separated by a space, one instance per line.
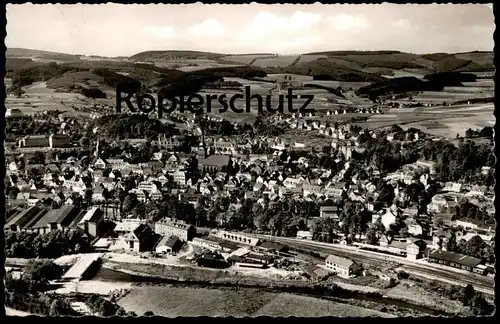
x=247 y=201
x=198 y=166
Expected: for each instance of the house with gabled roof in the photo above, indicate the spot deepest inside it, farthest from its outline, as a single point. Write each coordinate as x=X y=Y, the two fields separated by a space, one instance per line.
x=56 y=219
x=100 y=163
x=140 y=238
x=415 y=249
x=342 y=266
x=168 y=244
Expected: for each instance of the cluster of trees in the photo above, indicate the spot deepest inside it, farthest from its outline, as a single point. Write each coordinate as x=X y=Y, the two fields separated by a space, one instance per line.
x=37 y=303
x=466 y=209
x=175 y=83
x=325 y=67
x=453 y=163
x=354 y=219
x=28 y=293
x=133 y=126
x=168 y=206
x=112 y=79
x=244 y=72
x=103 y=307
x=475 y=300
x=468 y=296
x=486 y=131
x=387 y=156
x=462 y=162
x=374 y=232
x=336 y=91
x=51 y=245
x=223 y=85
x=282 y=218
x=475 y=247
x=27 y=125
x=225 y=128
x=92 y=93
x=42 y=72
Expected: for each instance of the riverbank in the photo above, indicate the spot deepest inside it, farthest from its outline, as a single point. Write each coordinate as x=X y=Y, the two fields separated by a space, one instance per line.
x=351 y=294
x=172 y=301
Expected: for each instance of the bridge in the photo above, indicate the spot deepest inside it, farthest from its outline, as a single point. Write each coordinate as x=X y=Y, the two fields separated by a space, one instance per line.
x=84 y=267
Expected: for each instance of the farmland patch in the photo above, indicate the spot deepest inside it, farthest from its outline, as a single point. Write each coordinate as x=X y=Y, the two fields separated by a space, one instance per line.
x=278 y=61
x=173 y=301
x=244 y=59
x=285 y=305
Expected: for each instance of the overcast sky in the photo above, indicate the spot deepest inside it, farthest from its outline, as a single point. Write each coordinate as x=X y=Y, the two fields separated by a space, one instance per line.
x=116 y=30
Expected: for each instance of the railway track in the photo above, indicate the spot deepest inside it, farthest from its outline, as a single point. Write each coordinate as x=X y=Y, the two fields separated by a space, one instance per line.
x=389 y=262
x=453 y=277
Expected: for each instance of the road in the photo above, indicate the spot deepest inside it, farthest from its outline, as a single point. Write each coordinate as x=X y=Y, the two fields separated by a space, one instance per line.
x=441 y=273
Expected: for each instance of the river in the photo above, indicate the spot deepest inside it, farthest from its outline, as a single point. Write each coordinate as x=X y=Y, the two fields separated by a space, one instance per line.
x=109 y=275
x=105 y=274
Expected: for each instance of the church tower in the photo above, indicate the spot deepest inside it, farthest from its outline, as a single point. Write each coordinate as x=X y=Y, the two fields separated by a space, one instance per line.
x=96 y=153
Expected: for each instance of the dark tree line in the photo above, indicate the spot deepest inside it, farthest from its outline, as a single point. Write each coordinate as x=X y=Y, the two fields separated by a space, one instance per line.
x=453 y=163
x=51 y=245
x=475 y=247
x=484 y=132
x=133 y=126
x=28 y=292
x=468 y=210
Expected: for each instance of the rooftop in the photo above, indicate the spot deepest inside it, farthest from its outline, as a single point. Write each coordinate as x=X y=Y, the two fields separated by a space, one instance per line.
x=92 y=215
x=169 y=241
x=126 y=226
x=329 y=208
x=339 y=261
x=217 y=160
x=24 y=217
x=58 y=216
x=455 y=257
x=272 y=246
x=174 y=223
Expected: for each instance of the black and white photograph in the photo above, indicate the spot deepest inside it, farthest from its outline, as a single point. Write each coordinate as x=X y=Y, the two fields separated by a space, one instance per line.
x=222 y=160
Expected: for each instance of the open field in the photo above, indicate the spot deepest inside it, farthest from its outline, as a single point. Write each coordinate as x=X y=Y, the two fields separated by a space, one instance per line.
x=343 y=62
x=176 y=301
x=439 y=121
x=188 y=65
x=405 y=73
x=38 y=97
x=288 y=305
x=478 y=57
x=487 y=83
x=485 y=75
x=343 y=84
x=311 y=58
x=408 y=290
x=279 y=61
x=448 y=96
x=244 y=59
x=282 y=76
x=82 y=78
x=456 y=120
x=184 y=301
